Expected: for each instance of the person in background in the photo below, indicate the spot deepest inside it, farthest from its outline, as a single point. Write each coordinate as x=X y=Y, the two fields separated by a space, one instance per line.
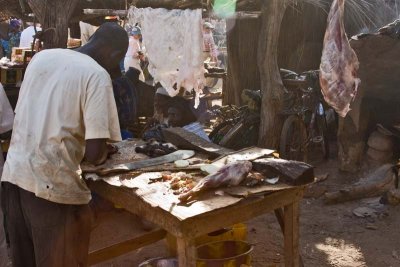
x=180 y=115
x=209 y=48
x=65 y=112
x=161 y=102
x=6 y=122
x=14 y=35
x=4 y=28
x=126 y=100
x=135 y=52
x=27 y=35
x=159 y=121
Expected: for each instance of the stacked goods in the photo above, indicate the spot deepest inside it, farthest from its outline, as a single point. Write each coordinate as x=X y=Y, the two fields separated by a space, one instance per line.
x=11 y=75
x=380 y=147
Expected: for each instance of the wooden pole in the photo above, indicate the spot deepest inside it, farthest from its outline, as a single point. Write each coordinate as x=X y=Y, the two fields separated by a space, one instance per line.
x=105 y=12
x=271 y=83
x=243 y=72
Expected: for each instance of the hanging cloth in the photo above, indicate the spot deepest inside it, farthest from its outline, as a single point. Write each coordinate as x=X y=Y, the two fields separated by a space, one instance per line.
x=173 y=40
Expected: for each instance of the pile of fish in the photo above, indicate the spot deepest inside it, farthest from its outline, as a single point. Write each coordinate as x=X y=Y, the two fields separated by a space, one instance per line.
x=339 y=63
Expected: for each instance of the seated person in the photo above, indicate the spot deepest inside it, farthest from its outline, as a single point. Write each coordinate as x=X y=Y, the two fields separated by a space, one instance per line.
x=144 y=91
x=180 y=115
x=161 y=105
x=154 y=126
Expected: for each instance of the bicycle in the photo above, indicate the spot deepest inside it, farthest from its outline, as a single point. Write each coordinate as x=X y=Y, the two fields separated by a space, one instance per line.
x=239 y=126
x=305 y=124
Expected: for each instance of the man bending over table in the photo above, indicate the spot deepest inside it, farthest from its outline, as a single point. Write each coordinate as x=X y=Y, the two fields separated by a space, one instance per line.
x=66 y=111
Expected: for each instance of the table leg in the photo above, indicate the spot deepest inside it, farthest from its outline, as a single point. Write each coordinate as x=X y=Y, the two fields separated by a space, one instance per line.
x=291 y=234
x=281 y=220
x=186 y=253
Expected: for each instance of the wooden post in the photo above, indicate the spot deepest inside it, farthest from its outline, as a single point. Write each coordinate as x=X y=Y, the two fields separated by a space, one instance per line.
x=243 y=73
x=291 y=235
x=186 y=253
x=280 y=216
x=54 y=17
x=271 y=83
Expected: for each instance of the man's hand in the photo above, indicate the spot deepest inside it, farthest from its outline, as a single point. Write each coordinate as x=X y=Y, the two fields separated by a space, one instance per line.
x=96 y=151
x=111 y=150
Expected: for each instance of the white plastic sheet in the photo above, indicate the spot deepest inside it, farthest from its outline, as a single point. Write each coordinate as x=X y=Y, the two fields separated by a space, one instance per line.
x=173 y=40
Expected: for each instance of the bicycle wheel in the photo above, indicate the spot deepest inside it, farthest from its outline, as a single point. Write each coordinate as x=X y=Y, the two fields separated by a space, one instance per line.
x=293 y=143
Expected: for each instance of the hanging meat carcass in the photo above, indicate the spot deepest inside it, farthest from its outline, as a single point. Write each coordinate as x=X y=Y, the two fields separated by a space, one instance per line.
x=339 y=63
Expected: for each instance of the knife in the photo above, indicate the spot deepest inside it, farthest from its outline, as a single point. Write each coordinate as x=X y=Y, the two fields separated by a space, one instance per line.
x=126 y=167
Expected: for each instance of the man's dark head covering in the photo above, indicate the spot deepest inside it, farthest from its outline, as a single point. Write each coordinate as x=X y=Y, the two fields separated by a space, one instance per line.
x=108 y=45
x=112 y=34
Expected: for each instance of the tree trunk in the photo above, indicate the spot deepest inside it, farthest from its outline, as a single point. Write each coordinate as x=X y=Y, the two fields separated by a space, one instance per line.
x=271 y=83
x=243 y=73
x=54 y=16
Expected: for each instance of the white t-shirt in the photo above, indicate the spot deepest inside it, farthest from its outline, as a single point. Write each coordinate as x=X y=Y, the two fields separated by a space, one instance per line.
x=27 y=36
x=6 y=119
x=65 y=99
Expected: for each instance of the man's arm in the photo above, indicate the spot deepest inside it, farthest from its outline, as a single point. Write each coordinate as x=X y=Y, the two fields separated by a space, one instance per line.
x=96 y=151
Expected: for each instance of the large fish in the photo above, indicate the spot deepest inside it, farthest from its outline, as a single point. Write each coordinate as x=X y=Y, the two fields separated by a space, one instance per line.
x=229 y=175
x=339 y=63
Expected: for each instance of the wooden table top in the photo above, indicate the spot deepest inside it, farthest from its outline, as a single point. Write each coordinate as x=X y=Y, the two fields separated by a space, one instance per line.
x=138 y=193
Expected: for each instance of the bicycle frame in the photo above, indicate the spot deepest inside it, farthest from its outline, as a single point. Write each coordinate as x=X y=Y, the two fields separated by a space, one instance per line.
x=305 y=102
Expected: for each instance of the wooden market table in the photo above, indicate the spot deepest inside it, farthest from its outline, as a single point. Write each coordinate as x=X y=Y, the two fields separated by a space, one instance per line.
x=284 y=202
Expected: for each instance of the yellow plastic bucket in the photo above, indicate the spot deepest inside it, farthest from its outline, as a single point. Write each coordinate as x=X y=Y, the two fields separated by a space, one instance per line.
x=5 y=144
x=236 y=232
x=224 y=254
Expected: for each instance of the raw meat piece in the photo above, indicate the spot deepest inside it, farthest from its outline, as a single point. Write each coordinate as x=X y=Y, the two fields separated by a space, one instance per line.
x=229 y=175
x=339 y=63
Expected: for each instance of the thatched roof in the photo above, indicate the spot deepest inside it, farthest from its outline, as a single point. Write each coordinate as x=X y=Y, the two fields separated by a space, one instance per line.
x=13 y=7
x=10 y=8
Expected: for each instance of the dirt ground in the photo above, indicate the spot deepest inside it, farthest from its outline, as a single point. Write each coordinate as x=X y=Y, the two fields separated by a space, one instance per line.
x=331 y=235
